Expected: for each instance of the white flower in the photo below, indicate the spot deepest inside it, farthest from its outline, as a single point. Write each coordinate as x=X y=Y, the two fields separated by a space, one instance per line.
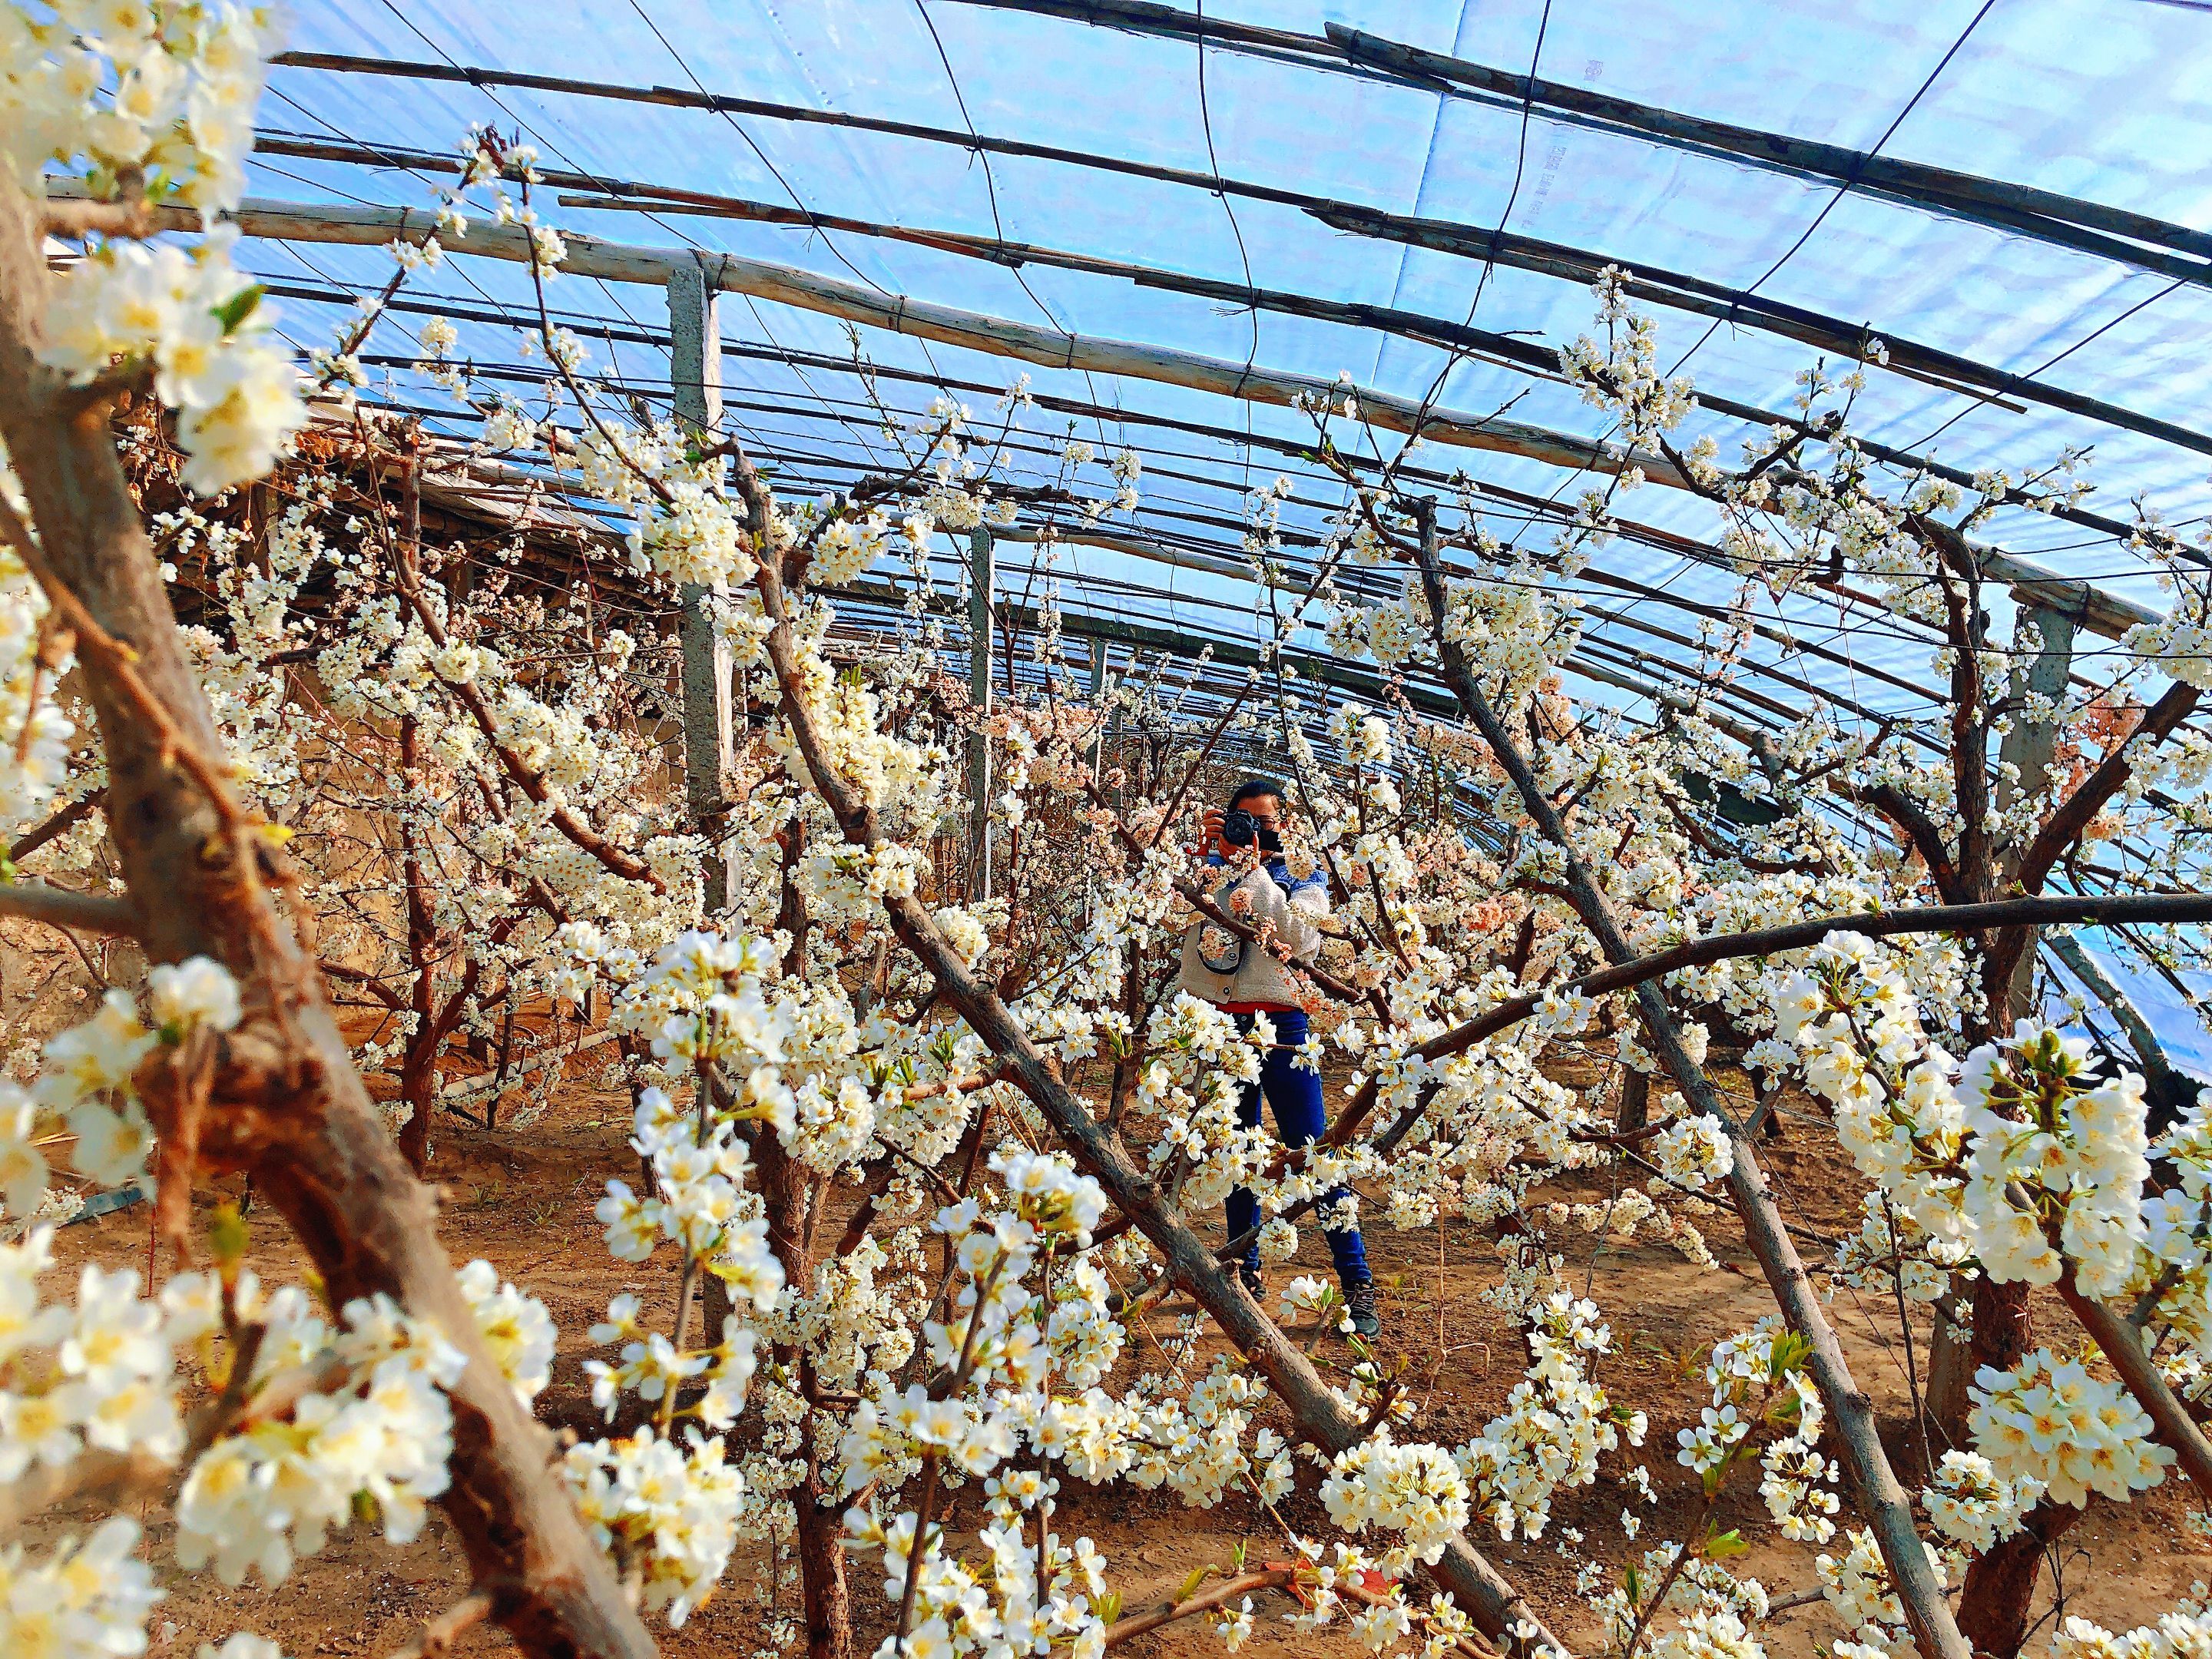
x=242 y=1646
x=515 y=1327
x=196 y=991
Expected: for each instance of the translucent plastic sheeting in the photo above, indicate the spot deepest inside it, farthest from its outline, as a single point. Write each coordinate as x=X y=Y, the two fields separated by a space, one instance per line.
x=2094 y=99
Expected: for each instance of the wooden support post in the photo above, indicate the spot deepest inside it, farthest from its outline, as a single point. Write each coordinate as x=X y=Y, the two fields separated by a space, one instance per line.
x=695 y=362
x=980 y=584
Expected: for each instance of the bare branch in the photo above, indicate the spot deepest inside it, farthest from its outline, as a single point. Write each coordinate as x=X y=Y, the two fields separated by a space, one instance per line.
x=439 y=1634
x=1125 y=1630
x=1889 y=1507
x=59 y=824
x=58 y=907
x=1497 y=1607
x=2065 y=826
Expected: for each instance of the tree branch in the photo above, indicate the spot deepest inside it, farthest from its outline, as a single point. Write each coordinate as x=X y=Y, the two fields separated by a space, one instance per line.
x=1890 y=1507
x=1498 y=1609
x=59 y=824
x=2123 y=1346
x=439 y=1634
x=1900 y=809
x=74 y=220
x=1124 y=1630
x=58 y=907
x=2065 y=825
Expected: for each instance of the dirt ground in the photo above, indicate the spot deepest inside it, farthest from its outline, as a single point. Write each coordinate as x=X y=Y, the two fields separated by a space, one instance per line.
x=523 y=1199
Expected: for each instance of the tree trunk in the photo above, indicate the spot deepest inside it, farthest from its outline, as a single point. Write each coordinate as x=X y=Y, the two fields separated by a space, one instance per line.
x=1950 y=1370
x=790 y=1193
x=418 y=1066
x=820 y=1543
x=286 y=1104
x=1887 y=1505
x=1635 y=1111
x=1495 y=1607
x=2001 y=1583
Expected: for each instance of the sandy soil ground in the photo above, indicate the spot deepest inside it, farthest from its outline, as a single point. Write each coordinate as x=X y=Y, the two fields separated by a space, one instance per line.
x=523 y=1199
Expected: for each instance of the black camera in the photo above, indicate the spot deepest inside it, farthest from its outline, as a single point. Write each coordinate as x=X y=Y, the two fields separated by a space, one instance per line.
x=1239 y=829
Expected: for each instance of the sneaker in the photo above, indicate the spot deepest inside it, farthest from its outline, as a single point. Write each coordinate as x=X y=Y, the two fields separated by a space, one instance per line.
x=1249 y=1276
x=1359 y=1302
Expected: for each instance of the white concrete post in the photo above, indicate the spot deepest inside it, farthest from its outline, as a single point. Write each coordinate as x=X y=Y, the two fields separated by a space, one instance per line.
x=1097 y=702
x=694 y=364
x=980 y=583
x=2030 y=745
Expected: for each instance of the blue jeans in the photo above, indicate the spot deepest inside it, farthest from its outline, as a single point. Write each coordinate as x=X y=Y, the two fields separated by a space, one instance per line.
x=1295 y=1093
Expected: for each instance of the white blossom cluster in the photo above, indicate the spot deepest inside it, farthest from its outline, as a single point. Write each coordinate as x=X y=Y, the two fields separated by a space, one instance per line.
x=1557 y=1420
x=85 y=1083
x=667 y=1513
x=2052 y=1421
x=334 y=1420
x=1857 y=1586
x=261 y=1497
x=34 y=764
x=2019 y=1163
x=157 y=103
x=2182 y=1634
x=1972 y=1505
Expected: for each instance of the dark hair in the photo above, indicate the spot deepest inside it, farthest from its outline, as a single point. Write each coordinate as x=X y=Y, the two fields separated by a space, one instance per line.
x=1252 y=789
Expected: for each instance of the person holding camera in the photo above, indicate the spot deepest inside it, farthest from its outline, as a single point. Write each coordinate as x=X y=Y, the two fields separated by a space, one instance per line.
x=1247 y=978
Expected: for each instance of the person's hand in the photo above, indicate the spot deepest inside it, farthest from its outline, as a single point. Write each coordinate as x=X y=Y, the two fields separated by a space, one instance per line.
x=1209 y=831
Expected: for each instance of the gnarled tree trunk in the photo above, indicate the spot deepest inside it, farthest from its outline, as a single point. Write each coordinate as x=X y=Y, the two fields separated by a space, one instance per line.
x=287 y=1104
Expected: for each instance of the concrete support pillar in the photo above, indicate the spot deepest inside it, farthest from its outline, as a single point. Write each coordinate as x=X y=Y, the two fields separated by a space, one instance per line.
x=980 y=583
x=2030 y=745
x=694 y=364
x=1097 y=702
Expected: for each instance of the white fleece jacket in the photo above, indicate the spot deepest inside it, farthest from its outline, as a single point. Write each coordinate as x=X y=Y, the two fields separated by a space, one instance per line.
x=1261 y=977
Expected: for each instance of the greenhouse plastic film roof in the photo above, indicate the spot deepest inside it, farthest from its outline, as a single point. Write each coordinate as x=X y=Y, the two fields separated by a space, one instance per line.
x=2097 y=102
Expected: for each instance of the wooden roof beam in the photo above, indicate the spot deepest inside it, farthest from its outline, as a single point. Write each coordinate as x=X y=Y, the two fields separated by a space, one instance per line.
x=998 y=336
x=1675 y=290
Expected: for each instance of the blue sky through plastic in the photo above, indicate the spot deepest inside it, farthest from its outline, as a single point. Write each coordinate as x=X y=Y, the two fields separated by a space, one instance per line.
x=2096 y=100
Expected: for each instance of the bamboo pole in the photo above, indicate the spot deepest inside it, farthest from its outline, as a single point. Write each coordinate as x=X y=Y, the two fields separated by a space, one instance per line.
x=2021 y=208
x=2166 y=1083
x=2018 y=208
